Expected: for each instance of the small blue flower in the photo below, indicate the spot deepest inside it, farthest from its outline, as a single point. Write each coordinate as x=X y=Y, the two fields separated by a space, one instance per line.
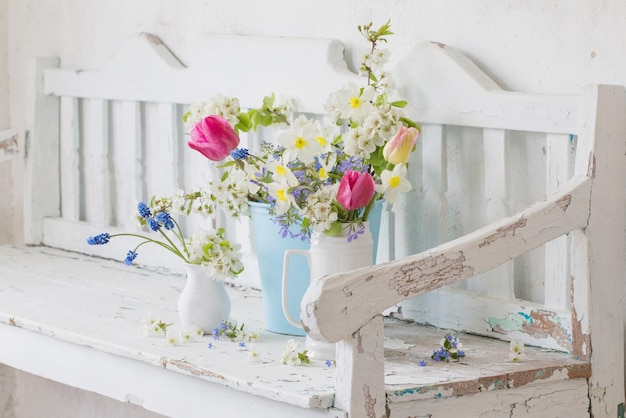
x=328 y=363
x=99 y=239
x=240 y=154
x=130 y=257
x=421 y=363
x=210 y=345
x=153 y=224
x=224 y=326
x=242 y=345
x=165 y=219
x=144 y=210
x=216 y=333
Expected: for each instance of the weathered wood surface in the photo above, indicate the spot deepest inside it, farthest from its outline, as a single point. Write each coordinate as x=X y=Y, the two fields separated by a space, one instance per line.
x=334 y=308
x=65 y=312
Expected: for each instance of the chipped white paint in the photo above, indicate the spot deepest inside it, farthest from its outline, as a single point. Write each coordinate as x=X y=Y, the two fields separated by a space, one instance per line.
x=8 y=144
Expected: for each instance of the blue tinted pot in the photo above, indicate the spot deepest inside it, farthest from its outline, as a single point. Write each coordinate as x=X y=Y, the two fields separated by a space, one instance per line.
x=270 y=249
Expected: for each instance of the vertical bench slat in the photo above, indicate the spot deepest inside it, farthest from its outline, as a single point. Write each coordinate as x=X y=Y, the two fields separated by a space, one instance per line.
x=559 y=170
x=96 y=178
x=172 y=133
x=435 y=225
x=499 y=281
x=138 y=142
x=70 y=158
x=360 y=380
x=409 y=207
x=41 y=172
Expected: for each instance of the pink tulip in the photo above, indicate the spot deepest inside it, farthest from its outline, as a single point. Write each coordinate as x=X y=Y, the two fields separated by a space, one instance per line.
x=398 y=150
x=355 y=190
x=213 y=137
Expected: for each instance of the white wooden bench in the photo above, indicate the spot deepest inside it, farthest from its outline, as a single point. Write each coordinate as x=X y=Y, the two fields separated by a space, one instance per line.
x=101 y=139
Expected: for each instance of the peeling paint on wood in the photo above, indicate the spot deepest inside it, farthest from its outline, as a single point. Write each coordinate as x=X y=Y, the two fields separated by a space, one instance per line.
x=507 y=231
x=591 y=166
x=539 y=324
x=440 y=268
x=564 y=202
x=8 y=144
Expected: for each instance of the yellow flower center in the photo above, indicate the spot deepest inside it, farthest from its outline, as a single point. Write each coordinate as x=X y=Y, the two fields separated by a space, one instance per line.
x=355 y=102
x=321 y=140
x=300 y=142
x=281 y=195
x=394 y=182
x=280 y=170
x=322 y=173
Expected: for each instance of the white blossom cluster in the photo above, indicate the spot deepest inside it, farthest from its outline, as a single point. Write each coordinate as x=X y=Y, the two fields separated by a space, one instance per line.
x=291 y=354
x=152 y=326
x=210 y=250
x=319 y=208
x=226 y=107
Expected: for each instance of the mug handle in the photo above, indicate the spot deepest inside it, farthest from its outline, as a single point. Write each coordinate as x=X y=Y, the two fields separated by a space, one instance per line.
x=286 y=258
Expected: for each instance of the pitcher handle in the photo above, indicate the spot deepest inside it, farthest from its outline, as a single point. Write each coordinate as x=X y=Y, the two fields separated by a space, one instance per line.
x=285 y=302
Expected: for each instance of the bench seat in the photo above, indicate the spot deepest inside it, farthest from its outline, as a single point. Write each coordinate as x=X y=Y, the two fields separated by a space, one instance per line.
x=76 y=319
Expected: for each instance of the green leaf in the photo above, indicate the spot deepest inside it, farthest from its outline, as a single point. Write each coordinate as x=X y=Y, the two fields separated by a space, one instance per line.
x=226 y=164
x=410 y=123
x=381 y=100
x=261 y=119
x=186 y=116
x=268 y=102
x=384 y=30
x=334 y=230
x=244 y=124
x=399 y=103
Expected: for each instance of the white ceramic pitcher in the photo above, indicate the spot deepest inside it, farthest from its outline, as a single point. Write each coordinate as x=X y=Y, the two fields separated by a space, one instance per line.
x=328 y=255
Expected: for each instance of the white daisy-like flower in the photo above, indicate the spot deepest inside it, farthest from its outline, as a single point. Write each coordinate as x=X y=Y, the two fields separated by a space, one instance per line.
x=284 y=200
x=393 y=182
x=326 y=163
x=517 y=351
x=254 y=355
x=324 y=136
x=300 y=141
x=282 y=173
x=352 y=103
x=189 y=335
x=172 y=338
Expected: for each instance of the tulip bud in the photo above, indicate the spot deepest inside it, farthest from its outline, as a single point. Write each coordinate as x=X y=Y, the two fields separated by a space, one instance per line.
x=355 y=190
x=213 y=137
x=398 y=150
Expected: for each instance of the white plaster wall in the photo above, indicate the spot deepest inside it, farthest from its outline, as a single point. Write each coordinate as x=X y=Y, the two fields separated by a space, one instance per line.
x=6 y=187
x=4 y=65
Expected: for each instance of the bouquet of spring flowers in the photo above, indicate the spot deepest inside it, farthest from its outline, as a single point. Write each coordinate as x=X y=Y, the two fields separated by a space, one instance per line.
x=207 y=247
x=323 y=176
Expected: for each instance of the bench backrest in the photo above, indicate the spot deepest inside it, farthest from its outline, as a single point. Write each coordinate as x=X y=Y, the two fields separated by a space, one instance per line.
x=101 y=140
